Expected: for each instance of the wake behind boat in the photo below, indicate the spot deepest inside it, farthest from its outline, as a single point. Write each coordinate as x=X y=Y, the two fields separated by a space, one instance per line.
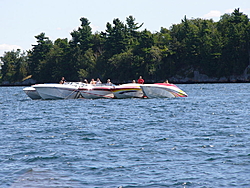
x=131 y=90
x=68 y=90
x=162 y=90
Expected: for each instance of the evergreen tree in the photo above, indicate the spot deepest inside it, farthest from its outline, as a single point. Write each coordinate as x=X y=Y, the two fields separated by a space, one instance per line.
x=38 y=54
x=14 y=67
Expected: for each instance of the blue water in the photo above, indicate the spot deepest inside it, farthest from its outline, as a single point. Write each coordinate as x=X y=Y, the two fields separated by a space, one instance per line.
x=199 y=141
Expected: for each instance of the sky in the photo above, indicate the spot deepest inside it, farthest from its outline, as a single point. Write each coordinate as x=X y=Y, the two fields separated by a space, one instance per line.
x=22 y=20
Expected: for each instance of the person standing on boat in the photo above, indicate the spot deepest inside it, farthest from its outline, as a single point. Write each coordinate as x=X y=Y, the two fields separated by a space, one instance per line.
x=62 y=80
x=140 y=80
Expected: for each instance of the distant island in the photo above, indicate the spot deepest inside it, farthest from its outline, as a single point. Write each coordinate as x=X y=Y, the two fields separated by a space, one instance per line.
x=193 y=51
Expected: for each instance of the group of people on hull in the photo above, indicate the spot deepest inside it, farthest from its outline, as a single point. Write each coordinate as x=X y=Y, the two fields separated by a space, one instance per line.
x=109 y=83
x=97 y=82
x=93 y=82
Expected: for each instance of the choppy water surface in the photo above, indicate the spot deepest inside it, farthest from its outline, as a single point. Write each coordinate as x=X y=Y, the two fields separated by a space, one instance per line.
x=199 y=141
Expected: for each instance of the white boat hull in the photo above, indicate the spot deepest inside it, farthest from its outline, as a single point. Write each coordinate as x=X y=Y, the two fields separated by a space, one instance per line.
x=127 y=91
x=57 y=91
x=96 y=92
x=32 y=93
x=161 y=90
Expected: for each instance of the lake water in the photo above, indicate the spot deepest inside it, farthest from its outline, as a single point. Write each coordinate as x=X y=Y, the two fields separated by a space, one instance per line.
x=199 y=141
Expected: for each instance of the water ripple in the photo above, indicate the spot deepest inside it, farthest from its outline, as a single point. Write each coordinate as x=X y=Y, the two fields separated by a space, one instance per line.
x=198 y=141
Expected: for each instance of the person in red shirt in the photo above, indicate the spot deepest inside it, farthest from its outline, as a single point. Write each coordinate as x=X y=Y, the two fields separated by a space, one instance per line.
x=140 y=80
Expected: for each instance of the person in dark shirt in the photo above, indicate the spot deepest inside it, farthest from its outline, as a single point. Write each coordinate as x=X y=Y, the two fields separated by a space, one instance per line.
x=62 y=80
x=166 y=82
x=85 y=81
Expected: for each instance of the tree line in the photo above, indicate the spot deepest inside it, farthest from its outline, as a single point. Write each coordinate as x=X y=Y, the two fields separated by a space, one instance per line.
x=123 y=52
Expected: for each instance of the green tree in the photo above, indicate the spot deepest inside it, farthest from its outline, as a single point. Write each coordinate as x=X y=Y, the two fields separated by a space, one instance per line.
x=38 y=54
x=116 y=39
x=143 y=50
x=56 y=65
x=132 y=31
x=87 y=68
x=81 y=45
x=234 y=28
x=14 y=67
x=122 y=68
x=82 y=37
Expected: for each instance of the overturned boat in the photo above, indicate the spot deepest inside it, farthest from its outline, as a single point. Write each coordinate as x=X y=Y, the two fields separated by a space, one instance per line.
x=162 y=90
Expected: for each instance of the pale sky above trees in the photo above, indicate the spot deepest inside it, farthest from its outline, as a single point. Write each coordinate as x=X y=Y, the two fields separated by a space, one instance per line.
x=22 y=20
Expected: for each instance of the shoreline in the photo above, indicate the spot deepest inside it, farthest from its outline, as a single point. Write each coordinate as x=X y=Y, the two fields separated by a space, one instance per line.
x=188 y=82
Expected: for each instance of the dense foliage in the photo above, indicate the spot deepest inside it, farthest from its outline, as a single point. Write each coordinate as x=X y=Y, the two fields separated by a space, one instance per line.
x=122 y=52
